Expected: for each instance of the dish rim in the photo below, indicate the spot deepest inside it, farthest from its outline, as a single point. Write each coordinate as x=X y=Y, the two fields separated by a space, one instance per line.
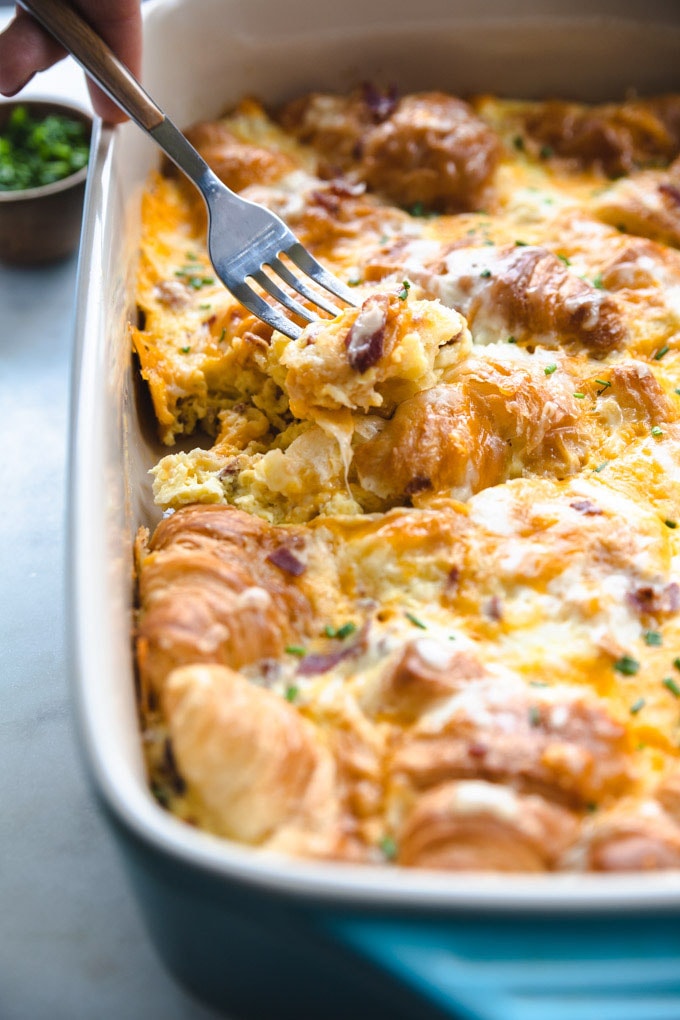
x=125 y=793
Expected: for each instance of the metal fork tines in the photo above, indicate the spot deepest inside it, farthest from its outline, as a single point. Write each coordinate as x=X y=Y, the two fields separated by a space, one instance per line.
x=245 y=241
x=248 y=242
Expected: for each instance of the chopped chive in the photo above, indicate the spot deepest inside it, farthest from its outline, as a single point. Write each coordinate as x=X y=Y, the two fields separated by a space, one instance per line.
x=656 y=431
x=597 y=282
x=671 y=524
x=603 y=382
x=521 y=244
x=405 y=288
x=626 y=665
x=291 y=693
x=415 y=621
x=389 y=848
x=671 y=685
x=563 y=258
x=191 y=256
x=485 y=274
x=676 y=662
x=549 y=369
x=659 y=354
x=677 y=390
x=354 y=282
x=295 y=650
x=346 y=629
x=637 y=706
x=512 y=339
x=205 y=307
x=652 y=637
x=601 y=466
x=580 y=396
x=222 y=334
x=185 y=350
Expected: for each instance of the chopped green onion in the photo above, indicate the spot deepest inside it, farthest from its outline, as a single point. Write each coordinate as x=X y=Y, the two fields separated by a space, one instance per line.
x=659 y=354
x=389 y=848
x=549 y=369
x=597 y=282
x=580 y=396
x=671 y=524
x=512 y=339
x=340 y=632
x=521 y=244
x=604 y=383
x=671 y=685
x=295 y=650
x=637 y=706
x=676 y=662
x=601 y=466
x=185 y=350
x=405 y=288
x=485 y=274
x=652 y=637
x=291 y=693
x=626 y=665
x=415 y=621
x=563 y=258
x=656 y=431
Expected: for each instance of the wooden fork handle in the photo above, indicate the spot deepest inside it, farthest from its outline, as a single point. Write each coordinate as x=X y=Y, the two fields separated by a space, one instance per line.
x=96 y=59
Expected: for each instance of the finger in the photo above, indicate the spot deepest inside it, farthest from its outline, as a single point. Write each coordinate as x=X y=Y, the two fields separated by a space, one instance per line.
x=24 y=49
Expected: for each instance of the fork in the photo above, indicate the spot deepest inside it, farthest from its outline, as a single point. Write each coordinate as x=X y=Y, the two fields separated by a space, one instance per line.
x=244 y=239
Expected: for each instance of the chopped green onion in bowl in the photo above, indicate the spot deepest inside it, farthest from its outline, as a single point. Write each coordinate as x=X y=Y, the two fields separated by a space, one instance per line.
x=39 y=150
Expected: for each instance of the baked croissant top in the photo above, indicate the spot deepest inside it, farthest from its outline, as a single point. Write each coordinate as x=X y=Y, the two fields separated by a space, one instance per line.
x=415 y=596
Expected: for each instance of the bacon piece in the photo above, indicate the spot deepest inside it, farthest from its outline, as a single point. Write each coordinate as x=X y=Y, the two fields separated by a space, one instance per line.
x=366 y=338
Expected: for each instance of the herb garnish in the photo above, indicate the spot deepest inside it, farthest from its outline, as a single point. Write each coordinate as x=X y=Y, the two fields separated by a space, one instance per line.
x=295 y=650
x=415 y=621
x=637 y=706
x=659 y=354
x=549 y=369
x=652 y=637
x=389 y=848
x=405 y=288
x=626 y=665
x=671 y=685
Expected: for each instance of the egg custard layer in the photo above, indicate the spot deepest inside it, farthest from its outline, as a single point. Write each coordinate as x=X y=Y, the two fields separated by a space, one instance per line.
x=416 y=597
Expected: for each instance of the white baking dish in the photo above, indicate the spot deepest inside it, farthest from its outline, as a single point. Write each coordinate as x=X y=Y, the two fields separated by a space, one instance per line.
x=610 y=944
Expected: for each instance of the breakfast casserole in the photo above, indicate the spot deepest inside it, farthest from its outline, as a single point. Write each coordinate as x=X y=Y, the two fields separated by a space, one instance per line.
x=414 y=598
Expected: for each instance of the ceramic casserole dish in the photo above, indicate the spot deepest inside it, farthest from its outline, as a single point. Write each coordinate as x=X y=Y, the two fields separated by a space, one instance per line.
x=252 y=936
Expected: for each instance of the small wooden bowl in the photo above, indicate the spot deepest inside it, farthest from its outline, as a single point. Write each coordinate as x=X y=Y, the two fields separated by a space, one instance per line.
x=43 y=224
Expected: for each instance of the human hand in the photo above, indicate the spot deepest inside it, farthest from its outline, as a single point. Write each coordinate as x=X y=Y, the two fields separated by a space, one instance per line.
x=25 y=48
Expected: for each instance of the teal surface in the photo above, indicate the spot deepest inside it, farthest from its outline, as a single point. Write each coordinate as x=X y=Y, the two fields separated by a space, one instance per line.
x=602 y=968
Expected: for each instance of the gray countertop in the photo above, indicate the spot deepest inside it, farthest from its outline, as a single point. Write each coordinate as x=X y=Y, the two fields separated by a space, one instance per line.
x=72 y=946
